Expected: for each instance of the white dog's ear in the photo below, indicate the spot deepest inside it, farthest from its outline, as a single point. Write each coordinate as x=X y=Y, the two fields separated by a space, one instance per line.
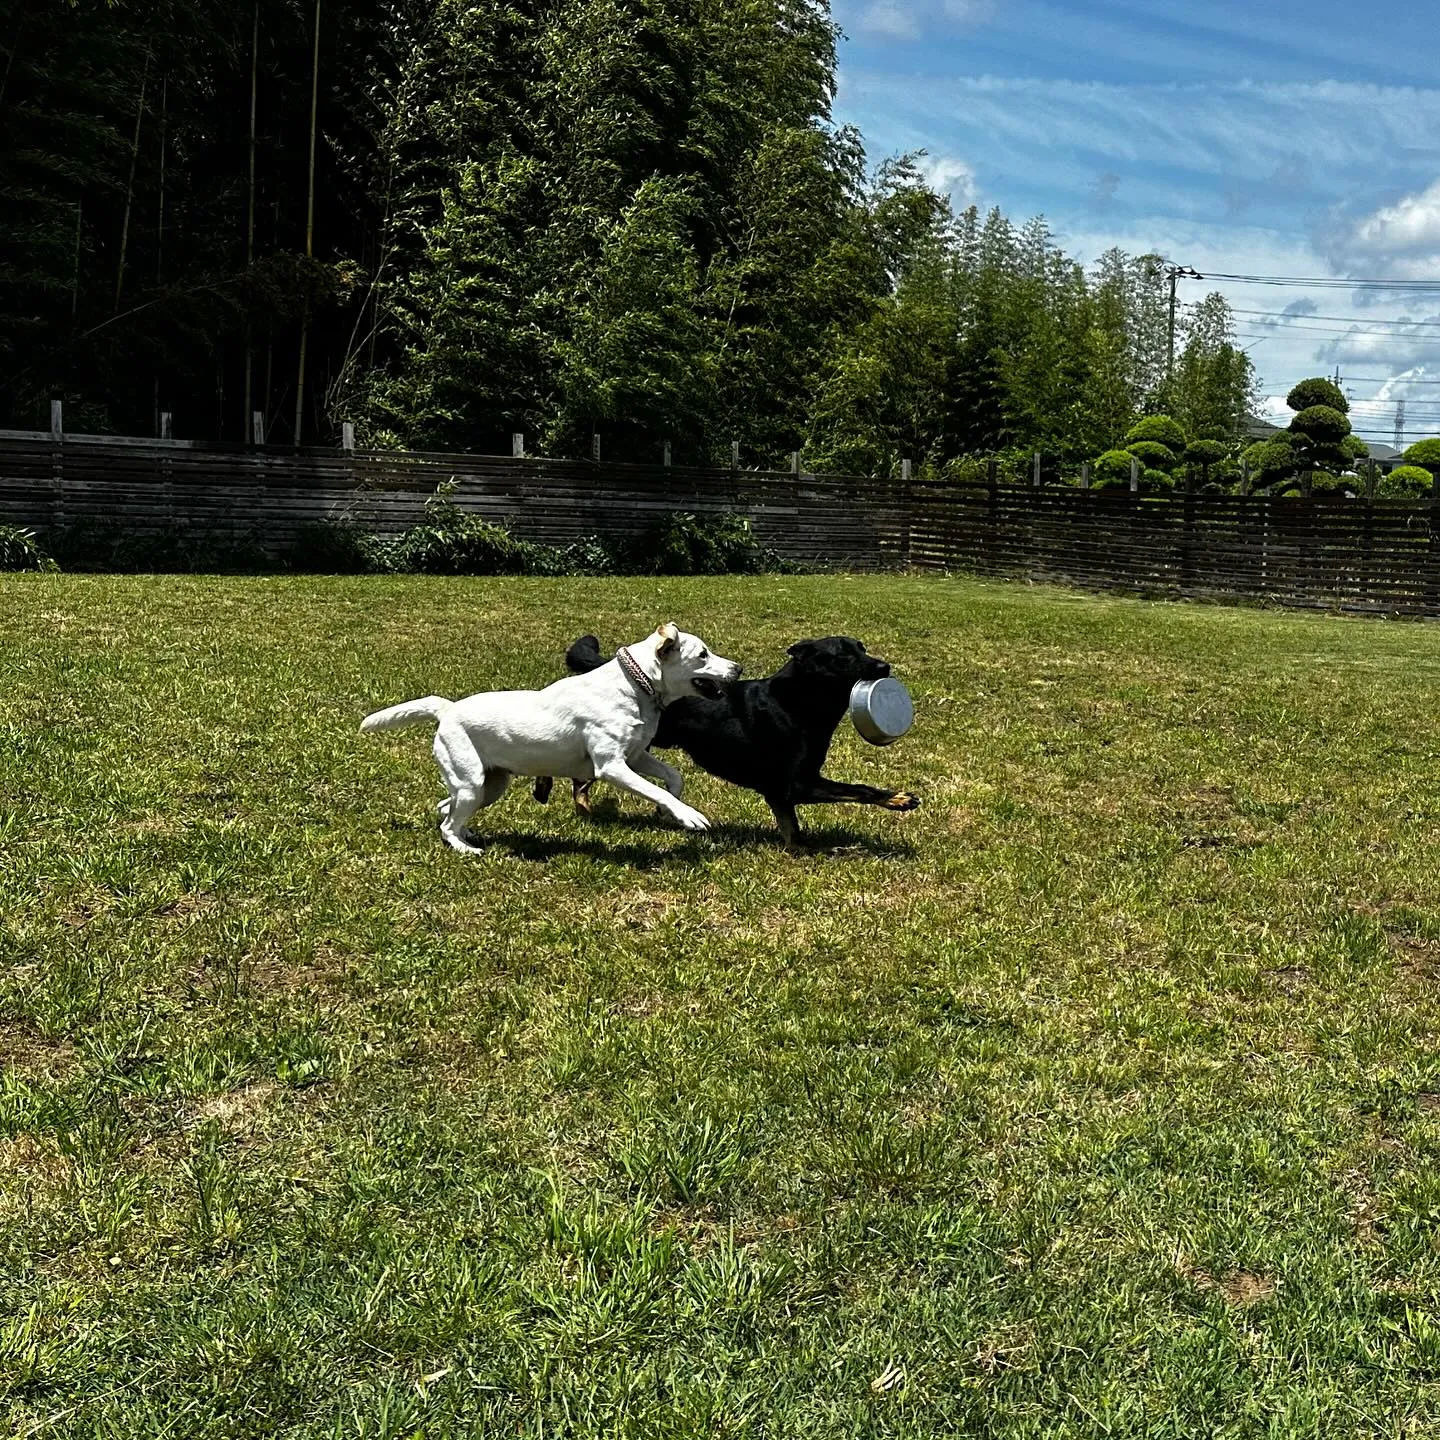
x=669 y=638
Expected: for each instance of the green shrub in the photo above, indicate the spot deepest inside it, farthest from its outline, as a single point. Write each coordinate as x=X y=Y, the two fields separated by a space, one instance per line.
x=1271 y=462
x=339 y=547
x=1156 y=482
x=1404 y=482
x=1161 y=429
x=685 y=544
x=452 y=541
x=1425 y=453
x=1112 y=468
x=174 y=551
x=1321 y=425
x=1317 y=391
x=1152 y=454
x=1205 y=453
x=592 y=555
x=19 y=550
x=1355 y=448
x=967 y=470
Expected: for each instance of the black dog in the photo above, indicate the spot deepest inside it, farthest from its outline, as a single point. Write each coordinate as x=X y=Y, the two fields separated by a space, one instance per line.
x=769 y=735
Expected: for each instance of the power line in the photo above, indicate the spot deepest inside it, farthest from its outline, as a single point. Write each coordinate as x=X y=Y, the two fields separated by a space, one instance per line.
x=1283 y=315
x=1326 y=282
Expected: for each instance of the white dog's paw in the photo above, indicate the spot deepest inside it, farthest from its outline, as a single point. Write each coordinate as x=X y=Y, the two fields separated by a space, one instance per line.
x=462 y=841
x=690 y=819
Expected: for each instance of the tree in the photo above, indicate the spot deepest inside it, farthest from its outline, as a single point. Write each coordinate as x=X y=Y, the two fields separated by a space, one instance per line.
x=1205 y=455
x=1426 y=454
x=1214 y=382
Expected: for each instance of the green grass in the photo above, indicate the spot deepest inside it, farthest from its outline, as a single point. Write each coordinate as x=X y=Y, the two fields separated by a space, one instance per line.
x=1100 y=1096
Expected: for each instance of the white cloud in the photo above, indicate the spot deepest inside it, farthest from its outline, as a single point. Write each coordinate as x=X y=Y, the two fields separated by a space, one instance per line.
x=891 y=18
x=949 y=175
x=970 y=12
x=1402 y=239
x=904 y=19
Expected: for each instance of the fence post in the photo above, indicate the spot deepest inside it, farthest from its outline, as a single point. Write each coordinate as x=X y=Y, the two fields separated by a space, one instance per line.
x=1035 y=471
x=165 y=426
x=1306 y=480
x=595 y=446
x=1432 y=588
x=57 y=467
x=1244 y=476
x=1084 y=474
x=734 y=454
x=347 y=436
x=665 y=453
x=1370 y=480
x=257 y=427
x=794 y=462
x=1134 y=474
x=908 y=513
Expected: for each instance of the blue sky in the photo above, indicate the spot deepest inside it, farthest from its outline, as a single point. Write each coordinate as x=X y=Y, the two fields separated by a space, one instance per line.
x=1283 y=139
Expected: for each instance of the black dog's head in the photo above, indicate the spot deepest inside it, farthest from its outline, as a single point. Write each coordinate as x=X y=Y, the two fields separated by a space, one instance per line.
x=837 y=659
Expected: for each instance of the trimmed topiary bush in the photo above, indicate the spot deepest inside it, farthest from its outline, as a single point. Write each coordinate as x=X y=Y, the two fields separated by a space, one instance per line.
x=1161 y=429
x=1111 y=469
x=1355 y=449
x=1152 y=454
x=1317 y=391
x=1404 y=482
x=1425 y=453
x=1321 y=425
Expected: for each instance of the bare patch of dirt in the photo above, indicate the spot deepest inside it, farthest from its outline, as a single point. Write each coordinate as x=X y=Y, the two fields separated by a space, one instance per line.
x=1292 y=979
x=1241 y=1288
x=25 y=1049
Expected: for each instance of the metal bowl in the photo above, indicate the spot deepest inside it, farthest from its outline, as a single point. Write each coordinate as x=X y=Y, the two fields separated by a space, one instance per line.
x=881 y=710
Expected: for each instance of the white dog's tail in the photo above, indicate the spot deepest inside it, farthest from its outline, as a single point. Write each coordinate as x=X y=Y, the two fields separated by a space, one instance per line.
x=430 y=707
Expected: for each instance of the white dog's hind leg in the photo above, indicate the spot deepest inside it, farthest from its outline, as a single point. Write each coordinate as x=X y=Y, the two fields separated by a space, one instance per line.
x=617 y=770
x=464 y=774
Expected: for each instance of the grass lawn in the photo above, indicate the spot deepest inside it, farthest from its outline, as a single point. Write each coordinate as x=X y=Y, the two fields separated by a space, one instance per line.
x=1100 y=1096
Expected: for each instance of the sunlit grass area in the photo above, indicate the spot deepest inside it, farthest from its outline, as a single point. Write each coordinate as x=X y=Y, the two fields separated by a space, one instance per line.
x=1099 y=1096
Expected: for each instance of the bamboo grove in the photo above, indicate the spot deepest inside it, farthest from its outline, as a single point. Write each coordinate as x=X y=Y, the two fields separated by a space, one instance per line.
x=448 y=221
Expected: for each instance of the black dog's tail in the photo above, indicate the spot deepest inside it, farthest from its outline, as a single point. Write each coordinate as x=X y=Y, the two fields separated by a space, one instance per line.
x=584 y=655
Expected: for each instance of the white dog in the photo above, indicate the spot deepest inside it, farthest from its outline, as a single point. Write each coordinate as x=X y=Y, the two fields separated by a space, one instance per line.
x=586 y=727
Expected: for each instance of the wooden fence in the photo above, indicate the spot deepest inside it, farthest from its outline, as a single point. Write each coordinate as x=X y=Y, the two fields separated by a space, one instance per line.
x=264 y=498
x=1381 y=557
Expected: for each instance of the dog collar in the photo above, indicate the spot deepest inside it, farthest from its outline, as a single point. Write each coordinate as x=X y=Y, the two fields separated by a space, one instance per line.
x=634 y=673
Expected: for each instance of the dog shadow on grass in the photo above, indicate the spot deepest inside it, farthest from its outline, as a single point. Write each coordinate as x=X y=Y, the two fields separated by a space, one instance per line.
x=646 y=844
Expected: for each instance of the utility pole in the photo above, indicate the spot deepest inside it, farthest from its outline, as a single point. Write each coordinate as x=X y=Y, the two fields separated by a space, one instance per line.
x=1175 y=273
x=1400 y=423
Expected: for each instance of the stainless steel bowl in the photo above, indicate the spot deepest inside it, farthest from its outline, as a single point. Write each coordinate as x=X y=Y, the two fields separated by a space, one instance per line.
x=881 y=710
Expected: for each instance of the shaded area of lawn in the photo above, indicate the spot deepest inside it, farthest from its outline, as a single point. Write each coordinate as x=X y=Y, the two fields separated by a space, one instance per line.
x=1099 y=1096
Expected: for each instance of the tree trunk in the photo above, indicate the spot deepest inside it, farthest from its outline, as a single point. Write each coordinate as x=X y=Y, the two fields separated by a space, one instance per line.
x=309 y=227
x=250 y=232
x=130 y=185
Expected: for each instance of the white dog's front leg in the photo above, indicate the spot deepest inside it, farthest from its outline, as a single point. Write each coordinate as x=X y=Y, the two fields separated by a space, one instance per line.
x=657 y=769
x=617 y=770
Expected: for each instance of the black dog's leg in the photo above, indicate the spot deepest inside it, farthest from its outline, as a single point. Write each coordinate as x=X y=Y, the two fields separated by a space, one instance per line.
x=822 y=791
x=543 y=786
x=786 y=819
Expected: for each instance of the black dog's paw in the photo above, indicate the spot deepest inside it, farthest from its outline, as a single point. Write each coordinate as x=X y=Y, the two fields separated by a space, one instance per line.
x=902 y=800
x=543 y=787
